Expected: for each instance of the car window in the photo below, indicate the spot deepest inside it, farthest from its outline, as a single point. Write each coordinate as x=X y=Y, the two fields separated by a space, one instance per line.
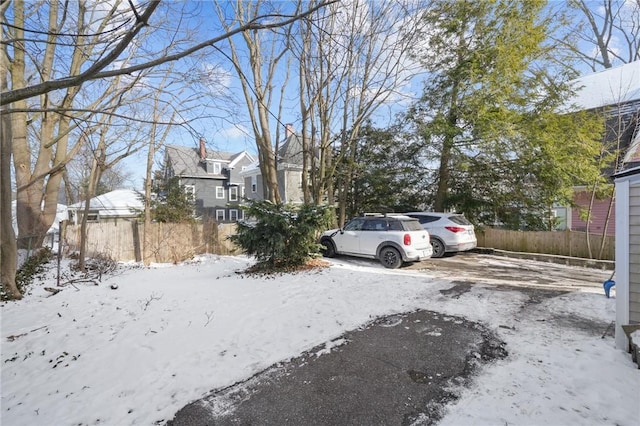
x=395 y=225
x=375 y=225
x=426 y=219
x=354 y=225
x=459 y=220
x=412 y=225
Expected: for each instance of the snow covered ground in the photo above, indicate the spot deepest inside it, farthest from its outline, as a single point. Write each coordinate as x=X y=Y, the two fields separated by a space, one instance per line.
x=91 y=355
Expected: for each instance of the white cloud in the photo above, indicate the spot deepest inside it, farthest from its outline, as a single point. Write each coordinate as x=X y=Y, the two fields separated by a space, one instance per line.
x=236 y=131
x=216 y=79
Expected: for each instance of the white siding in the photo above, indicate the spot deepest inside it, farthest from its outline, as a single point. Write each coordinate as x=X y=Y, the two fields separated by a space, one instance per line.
x=622 y=260
x=634 y=253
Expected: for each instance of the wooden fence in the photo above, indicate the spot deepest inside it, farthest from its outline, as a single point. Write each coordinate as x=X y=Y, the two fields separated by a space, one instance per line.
x=563 y=243
x=168 y=242
x=163 y=242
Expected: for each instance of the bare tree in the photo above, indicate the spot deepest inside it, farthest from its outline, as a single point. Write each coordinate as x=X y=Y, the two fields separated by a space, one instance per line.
x=87 y=51
x=157 y=139
x=7 y=234
x=356 y=60
x=257 y=72
x=600 y=34
x=104 y=157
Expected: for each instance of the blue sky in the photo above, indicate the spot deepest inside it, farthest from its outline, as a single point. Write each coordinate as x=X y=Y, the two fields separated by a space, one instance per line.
x=224 y=124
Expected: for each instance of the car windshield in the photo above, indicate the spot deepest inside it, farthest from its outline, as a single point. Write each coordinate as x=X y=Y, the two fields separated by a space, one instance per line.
x=459 y=220
x=354 y=225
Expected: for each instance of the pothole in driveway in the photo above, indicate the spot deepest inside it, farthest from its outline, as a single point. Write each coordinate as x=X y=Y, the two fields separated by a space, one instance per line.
x=399 y=369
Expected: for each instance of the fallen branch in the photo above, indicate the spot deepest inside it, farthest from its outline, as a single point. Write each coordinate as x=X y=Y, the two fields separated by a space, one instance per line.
x=79 y=280
x=16 y=336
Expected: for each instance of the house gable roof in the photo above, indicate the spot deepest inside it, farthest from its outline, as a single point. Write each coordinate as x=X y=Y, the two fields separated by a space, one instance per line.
x=290 y=151
x=121 y=202
x=613 y=86
x=616 y=93
x=186 y=161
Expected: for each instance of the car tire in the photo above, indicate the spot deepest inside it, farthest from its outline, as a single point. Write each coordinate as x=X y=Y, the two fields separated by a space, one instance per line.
x=329 y=249
x=390 y=258
x=438 y=248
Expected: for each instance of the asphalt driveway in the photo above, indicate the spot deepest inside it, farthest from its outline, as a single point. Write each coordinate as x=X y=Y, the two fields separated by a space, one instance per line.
x=395 y=370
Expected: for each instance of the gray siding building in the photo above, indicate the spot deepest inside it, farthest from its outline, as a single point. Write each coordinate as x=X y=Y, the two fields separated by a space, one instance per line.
x=213 y=177
x=289 y=165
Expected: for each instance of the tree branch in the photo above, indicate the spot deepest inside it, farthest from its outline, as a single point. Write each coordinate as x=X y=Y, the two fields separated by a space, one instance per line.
x=71 y=81
x=94 y=72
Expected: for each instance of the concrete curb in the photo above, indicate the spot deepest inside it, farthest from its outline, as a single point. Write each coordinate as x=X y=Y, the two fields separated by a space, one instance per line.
x=607 y=265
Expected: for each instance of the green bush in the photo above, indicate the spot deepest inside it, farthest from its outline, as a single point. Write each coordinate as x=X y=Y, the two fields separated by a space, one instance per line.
x=281 y=235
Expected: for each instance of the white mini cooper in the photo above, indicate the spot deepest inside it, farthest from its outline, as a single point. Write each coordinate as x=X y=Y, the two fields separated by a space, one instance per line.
x=392 y=239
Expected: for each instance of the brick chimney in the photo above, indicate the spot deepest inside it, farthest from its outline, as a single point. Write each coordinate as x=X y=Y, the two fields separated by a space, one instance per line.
x=203 y=150
x=288 y=130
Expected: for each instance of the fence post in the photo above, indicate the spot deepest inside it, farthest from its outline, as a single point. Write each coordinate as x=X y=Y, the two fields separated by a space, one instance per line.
x=59 y=250
x=136 y=241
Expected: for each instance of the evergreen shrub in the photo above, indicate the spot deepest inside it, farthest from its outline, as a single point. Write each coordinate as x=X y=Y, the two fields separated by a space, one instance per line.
x=281 y=236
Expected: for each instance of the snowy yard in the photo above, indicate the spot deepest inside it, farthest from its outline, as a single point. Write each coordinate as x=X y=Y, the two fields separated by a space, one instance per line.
x=169 y=334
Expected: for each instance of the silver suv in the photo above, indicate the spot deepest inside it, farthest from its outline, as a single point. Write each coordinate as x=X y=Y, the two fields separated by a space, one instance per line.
x=390 y=239
x=450 y=232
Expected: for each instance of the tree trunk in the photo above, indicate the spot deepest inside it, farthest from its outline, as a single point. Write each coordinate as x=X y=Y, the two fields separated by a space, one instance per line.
x=606 y=221
x=38 y=183
x=8 y=249
x=147 y=197
x=94 y=179
x=444 y=172
x=588 y=220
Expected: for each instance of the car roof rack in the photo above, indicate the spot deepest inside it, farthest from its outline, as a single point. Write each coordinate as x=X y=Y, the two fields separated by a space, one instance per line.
x=372 y=214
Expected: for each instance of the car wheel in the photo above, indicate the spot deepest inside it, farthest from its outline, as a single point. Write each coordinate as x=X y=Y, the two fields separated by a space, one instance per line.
x=390 y=258
x=438 y=248
x=329 y=249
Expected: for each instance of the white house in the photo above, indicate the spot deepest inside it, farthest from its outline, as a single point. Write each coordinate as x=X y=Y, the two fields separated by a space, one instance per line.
x=121 y=204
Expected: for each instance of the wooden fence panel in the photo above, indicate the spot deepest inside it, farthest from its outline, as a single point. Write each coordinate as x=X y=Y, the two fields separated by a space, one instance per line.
x=162 y=243
x=113 y=239
x=562 y=243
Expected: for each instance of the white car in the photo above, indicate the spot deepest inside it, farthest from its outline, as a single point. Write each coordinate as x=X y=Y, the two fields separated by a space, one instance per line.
x=450 y=232
x=390 y=239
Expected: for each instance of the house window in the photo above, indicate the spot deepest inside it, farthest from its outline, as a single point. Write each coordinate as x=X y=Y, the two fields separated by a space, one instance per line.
x=92 y=216
x=220 y=215
x=233 y=193
x=233 y=215
x=254 y=184
x=219 y=192
x=216 y=168
x=190 y=191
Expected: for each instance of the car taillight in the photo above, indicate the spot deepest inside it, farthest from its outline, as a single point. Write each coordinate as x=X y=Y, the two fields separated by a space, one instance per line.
x=407 y=239
x=455 y=228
